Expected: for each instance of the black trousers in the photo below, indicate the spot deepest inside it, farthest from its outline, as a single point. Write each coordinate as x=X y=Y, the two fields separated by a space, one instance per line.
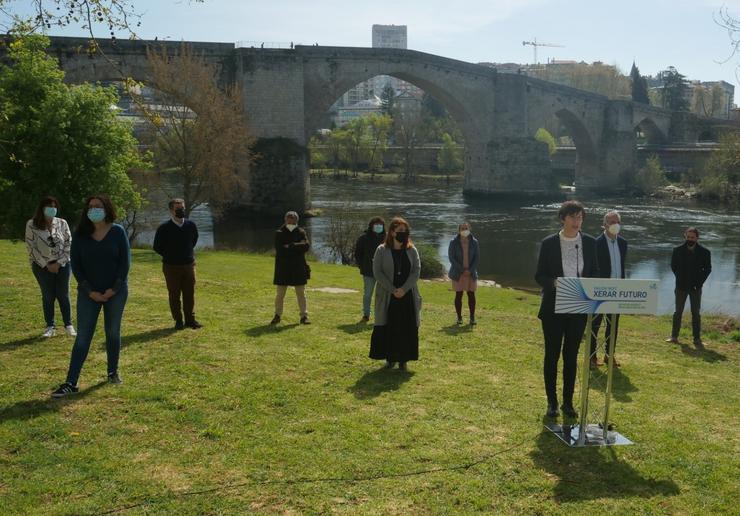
x=596 y=325
x=694 y=296
x=563 y=334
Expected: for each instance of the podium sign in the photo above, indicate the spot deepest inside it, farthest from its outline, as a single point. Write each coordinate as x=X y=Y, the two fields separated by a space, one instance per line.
x=606 y=296
x=600 y=296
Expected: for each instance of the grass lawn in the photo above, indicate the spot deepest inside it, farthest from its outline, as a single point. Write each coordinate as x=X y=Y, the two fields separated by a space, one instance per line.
x=244 y=417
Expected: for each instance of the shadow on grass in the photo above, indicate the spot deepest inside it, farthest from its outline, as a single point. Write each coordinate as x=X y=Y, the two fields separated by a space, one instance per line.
x=13 y=345
x=708 y=355
x=455 y=329
x=33 y=408
x=146 y=336
x=621 y=384
x=374 y=383
x=594 y=473
x=358 y=327
x=258 y=331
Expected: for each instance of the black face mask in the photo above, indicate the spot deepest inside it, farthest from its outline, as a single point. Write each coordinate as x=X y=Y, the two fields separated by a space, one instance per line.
x=180 y=213
x=690 y=243
x=402 y=237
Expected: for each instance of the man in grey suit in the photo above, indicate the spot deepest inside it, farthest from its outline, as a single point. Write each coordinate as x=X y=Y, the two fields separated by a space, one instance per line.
x=611 y=253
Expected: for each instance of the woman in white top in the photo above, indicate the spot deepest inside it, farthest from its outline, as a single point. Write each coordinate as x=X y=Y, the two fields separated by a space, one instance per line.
x=48 y=241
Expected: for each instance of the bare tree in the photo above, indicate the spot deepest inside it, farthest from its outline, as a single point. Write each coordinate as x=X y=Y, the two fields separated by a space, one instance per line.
x=197 y=128
x=343 y=231
x=408 y=127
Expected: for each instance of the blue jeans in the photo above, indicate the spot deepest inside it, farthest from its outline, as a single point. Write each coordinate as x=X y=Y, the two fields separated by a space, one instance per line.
x=87 y=318
x=367 y=295
x=54 y=287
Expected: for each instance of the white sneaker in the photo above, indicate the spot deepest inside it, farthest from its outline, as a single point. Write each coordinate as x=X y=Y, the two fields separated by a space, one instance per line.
x=50 y=332
x=70 y=330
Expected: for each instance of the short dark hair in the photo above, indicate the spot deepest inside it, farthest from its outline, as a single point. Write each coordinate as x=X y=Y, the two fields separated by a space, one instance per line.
x=571 y=208
x=692 y=229
x=86 y=227
x=375 y=220
x=39 y=219
x=174 y=201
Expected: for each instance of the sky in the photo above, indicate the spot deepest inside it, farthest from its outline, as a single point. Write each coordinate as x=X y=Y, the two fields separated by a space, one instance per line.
x=653 y=33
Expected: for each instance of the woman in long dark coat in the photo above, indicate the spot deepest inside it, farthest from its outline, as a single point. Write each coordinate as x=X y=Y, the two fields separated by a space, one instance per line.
x=291 y=269
x=396 y=267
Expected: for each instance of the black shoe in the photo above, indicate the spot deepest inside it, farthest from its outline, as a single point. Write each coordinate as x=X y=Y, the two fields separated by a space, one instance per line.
x=179 y=325
x=698 y=344
x=275 y=319
x=472 y=321
x=194 y=324
x=365 y=318
x=459 y=321
x=568 y=410
x=64 y=390
x=114 y=379
x=552 y=410
x=304 y=320
x=402 y=366
x=389 y=364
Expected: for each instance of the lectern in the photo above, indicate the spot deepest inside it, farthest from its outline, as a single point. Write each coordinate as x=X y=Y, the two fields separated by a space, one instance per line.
x=609 y=297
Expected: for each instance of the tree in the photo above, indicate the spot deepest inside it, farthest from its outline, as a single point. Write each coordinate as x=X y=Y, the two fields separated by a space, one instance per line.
x=408 y=129
x=650 y=177
x=380 y=128
x=198 y=129
x=448 y=157
x=544 y=136
x=639 y=86
x=387 y=98
x=355 y=143
x=57 y=139
x=722 y=179
x=674 y=90
x=706 y=102
x=317 y=151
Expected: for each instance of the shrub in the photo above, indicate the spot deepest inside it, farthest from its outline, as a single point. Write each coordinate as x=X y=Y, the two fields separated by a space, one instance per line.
x=431 y=267
x=650 y=177
x=544 y=136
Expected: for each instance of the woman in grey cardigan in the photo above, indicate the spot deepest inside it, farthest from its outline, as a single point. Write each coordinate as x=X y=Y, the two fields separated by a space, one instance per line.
x=396 y=268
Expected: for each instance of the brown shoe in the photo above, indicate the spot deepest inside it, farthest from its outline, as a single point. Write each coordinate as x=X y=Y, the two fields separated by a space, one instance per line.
x=616 y=364
x=594 y=362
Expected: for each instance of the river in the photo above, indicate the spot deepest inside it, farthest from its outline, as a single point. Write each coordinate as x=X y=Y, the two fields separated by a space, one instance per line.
x=509 y=231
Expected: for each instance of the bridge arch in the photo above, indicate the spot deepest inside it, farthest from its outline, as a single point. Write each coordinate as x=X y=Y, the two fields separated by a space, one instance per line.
x=653 y=133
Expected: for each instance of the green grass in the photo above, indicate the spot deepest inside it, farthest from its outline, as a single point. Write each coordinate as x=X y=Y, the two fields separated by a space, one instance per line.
x=241 y=417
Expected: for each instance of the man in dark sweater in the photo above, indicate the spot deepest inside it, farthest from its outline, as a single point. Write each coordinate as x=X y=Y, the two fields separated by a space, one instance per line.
x=175 y=241
x=691 y=264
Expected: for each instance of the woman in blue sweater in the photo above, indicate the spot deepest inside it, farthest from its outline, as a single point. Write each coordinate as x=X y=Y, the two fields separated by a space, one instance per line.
x=100 y=262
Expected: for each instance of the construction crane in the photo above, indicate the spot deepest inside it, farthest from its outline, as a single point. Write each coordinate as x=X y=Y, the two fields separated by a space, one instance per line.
x=536 y=44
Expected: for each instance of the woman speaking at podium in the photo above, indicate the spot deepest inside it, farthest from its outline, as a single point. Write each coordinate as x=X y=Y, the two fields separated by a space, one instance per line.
x=568 y=253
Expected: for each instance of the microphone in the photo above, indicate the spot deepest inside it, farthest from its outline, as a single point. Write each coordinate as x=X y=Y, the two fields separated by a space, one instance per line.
x=578 y=265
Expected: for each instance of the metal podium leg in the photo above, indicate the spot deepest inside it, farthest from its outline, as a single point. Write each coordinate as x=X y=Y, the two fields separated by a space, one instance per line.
x=610 y=371
x=585 y=378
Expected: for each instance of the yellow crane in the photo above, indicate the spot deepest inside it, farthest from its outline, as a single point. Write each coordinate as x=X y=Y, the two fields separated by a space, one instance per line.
x=536 y=44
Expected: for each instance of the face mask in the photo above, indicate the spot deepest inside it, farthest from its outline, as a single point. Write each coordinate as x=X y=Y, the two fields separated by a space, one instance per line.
x=378 y=228
x=96 y=214
x=50 y=212
x=402 y=237
x=180 y=213
x=690 y=243
x=614 y=229
x=291 y=227
x=465 y=233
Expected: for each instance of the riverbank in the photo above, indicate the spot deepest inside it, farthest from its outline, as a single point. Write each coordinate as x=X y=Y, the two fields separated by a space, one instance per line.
x=387 y=177
x=244 y=417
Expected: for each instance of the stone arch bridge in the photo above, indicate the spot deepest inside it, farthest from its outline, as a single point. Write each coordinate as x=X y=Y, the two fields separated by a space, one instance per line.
x=288 y=91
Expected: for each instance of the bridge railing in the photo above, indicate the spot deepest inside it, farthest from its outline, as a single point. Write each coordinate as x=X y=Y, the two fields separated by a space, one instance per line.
x=265 y=44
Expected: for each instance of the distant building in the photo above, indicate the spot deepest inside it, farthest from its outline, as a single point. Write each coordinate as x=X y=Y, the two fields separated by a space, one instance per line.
x=715 y=99
x=363 y=108
x=390 y=36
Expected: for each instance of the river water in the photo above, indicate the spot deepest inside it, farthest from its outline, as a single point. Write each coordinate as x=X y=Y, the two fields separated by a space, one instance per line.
x=509 y=231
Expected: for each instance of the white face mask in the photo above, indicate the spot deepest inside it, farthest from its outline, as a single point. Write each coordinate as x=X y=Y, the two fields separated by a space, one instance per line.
x=291 y=227
x=614 y=229
x=465 y=233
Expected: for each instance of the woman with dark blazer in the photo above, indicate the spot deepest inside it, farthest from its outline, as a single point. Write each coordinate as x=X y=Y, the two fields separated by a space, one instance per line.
x=291 y=268
x=568 y=253
x=396 y=268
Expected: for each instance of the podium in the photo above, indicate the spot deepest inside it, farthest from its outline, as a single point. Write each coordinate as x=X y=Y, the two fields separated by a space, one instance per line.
x=592 y=296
